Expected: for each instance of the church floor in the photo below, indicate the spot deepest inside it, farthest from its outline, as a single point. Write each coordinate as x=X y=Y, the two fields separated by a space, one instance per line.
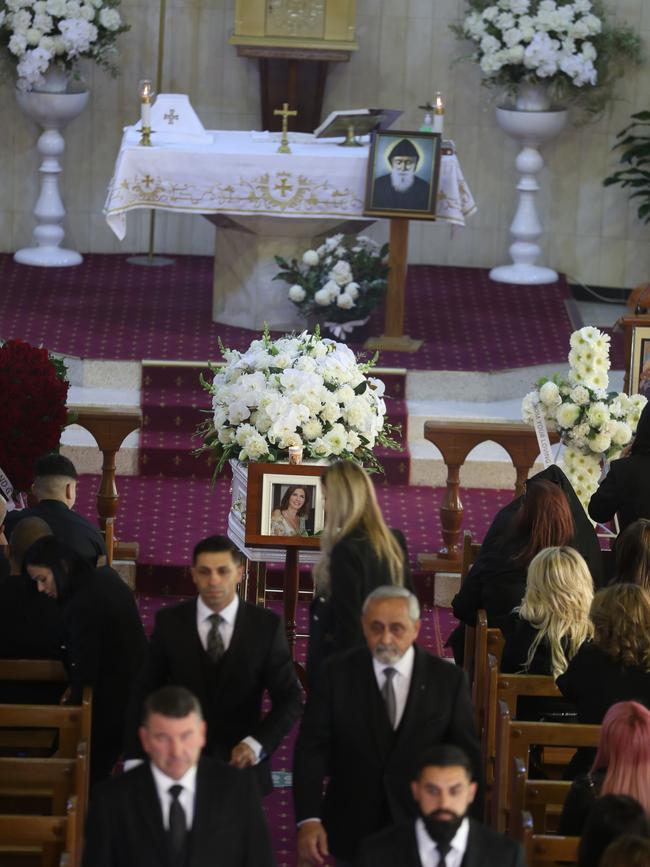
x=108 y=309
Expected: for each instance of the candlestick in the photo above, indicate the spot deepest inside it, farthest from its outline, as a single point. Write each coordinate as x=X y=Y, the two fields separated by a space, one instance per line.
x=438 y=113
x=146 y=92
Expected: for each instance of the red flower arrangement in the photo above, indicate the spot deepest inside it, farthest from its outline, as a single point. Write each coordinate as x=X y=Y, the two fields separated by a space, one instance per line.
x=33 y=409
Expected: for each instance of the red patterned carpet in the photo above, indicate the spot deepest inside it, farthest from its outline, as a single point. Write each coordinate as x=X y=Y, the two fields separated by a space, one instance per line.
x=106 y=308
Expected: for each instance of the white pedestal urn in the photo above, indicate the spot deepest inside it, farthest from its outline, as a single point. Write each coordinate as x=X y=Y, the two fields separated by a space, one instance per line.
x=532 y=128
x=52 y=110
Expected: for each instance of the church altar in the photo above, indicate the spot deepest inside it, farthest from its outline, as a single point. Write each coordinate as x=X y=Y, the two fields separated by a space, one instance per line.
x=264 y=203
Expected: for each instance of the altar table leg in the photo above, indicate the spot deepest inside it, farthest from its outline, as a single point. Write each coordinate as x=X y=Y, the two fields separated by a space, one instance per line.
x=393 y=337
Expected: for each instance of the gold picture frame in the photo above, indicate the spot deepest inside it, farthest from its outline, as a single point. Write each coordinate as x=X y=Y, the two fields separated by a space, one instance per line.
x=639 y=374
x=409 y=191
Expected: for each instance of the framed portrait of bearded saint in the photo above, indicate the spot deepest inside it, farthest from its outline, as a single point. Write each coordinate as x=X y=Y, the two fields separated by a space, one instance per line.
x=403 y=171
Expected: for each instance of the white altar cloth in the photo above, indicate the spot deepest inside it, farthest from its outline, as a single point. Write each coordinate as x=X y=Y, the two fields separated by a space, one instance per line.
x=240 y=173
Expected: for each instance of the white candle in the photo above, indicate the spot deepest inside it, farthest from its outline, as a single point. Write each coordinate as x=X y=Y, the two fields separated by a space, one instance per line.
x=438 y=113
x=146 y=114
x=146 y=93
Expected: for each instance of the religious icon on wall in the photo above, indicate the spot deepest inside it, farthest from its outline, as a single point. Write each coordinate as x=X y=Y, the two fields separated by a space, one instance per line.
x=640 y=362
x=403 y=170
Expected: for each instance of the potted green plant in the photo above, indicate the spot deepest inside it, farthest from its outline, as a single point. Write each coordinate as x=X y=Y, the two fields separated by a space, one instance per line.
x=634 y=147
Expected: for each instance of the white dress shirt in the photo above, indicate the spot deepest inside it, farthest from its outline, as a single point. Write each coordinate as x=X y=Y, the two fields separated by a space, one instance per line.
x=401 y=680
x=429 y=855
x=226 y=628
x=185 y=799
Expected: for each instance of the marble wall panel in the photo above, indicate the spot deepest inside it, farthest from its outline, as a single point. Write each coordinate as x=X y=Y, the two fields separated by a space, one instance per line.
x=407 y=52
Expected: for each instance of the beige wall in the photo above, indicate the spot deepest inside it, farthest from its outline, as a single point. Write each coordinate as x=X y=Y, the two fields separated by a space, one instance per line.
x=406 y=53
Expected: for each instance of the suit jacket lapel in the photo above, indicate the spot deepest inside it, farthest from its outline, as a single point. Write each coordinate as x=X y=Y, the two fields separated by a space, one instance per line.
x=473 y=857
x=416 y=692
x=190 y=649
x=151 y=812
x=236 y=649
x=372 y=704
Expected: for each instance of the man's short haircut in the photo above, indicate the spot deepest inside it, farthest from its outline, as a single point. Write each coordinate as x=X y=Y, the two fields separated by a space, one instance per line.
x=444 y=756
x=393 y=591
x=55 y=464
x=216 y=545
x=24 y=534
x=404 y=148
x=171 y=701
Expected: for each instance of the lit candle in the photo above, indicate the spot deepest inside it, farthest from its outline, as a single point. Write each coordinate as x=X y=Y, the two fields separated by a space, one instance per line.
x=438 y=113
x=146 y=93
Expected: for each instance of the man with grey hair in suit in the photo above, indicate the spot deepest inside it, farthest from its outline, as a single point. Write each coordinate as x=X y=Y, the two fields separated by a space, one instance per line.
x=375 y=710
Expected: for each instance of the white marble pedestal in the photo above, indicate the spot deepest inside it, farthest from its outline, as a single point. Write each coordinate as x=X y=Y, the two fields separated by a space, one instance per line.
x=244 y=293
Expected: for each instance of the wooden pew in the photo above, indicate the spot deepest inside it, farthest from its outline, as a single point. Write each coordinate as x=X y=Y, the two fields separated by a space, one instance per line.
x=514 y=739
x=469 y=555
x=543 y=850
x=543 y=799
x=487 y=641
x=20 y=722
x=33 y=670
x=50 y=836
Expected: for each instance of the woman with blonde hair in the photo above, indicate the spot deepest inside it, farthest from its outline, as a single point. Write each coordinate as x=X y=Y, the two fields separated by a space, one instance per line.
x=621 y=766
x=552 y=623
x=359 y=552
x=616 y=665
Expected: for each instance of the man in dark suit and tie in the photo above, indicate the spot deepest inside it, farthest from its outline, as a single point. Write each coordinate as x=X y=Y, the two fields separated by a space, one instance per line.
x=177 y=810
x=228 y=653
x=375 y=710
x=443 y=835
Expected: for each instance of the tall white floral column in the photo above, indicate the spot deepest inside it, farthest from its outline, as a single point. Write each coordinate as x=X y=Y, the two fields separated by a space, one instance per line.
x=594 y=424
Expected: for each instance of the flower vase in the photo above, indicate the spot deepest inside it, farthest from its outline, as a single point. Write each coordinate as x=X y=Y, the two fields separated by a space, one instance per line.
x=52 y=111
x=55 y=80
x=352 y=331
x=531 y=129
x=532 y=97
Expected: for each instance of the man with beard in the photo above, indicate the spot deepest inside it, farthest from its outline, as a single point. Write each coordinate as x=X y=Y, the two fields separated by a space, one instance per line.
x=374 y=711
x=443 y=835
x=402 y=189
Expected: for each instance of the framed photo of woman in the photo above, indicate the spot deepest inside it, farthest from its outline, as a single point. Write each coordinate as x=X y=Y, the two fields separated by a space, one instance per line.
x=284 y=504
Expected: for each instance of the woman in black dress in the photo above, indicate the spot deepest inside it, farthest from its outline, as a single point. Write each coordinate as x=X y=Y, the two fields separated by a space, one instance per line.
x=104 y=640
x=548 y=514
x=625 y=490
x=359 y=552
x=633 y=553
x=552 y=623
x=621 y=766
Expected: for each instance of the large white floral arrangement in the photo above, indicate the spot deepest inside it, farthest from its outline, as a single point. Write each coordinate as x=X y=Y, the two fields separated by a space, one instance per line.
x=300 y=390
x=38 y=33
x=344 y=279
x=567 y=43
x=593 y=424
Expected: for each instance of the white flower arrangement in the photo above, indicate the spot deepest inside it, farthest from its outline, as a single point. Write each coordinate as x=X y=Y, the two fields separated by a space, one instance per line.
x=344 y=279
x=593 y=424
x=39 y=33
x=567 y=43
x=299 y=390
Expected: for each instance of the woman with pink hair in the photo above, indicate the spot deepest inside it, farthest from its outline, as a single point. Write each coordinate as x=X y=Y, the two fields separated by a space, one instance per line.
x=621 y=766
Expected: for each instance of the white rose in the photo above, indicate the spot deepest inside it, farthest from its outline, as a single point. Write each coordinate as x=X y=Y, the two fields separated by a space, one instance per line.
x=600 y=443
x=323 y=297
x=310 y=257
x=110 y=19
x=549 y=394
x=567 y=414
x=256 y=447
x=297 y=293
x=353 y=290
x=622 y=435
x=344 y=301
x=580 y=395
x=341 y=273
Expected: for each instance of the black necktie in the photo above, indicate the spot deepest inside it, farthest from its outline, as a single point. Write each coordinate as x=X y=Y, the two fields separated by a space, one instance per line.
x=443 y=850
x=177 y=825
x=215 y=647
x=388 y=692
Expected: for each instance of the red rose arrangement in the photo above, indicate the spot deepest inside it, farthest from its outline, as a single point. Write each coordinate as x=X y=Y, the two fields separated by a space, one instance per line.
x=33 y=393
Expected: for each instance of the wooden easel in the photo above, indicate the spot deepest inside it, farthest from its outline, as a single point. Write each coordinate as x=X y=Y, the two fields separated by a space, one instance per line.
x=627 y=324
x=393 y=337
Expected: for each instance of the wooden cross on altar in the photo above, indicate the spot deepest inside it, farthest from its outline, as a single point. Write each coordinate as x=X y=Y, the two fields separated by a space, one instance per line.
x=285 y=114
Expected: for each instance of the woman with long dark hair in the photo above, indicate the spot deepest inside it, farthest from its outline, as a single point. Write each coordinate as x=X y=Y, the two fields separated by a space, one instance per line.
x=104 y=640
x=633 y=553
x=359 y=552
x=294 y=506
x=625 y=490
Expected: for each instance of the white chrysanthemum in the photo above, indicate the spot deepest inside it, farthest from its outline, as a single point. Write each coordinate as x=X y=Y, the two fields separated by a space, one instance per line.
x=622 y=435
x=336 y=439
x=312 y=429
x=341 y=273
x=18 y=44
x=598 y=414
x=297 y=293
x=110 y=19
x=567 y=414
x=256 y=447
x=345 y=301
x=600 y=443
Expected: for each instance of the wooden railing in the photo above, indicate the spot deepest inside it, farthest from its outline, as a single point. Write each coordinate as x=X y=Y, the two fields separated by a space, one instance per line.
x=109 y=427
x=455 y=440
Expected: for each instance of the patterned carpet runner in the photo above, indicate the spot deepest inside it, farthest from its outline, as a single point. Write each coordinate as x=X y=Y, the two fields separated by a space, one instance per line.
x=106 y=308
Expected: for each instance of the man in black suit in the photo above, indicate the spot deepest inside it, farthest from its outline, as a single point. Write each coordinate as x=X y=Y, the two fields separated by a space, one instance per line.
x=55 y=487
x=227 y=652
x=442 y=835
x=177 y=810
x=375 y=710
